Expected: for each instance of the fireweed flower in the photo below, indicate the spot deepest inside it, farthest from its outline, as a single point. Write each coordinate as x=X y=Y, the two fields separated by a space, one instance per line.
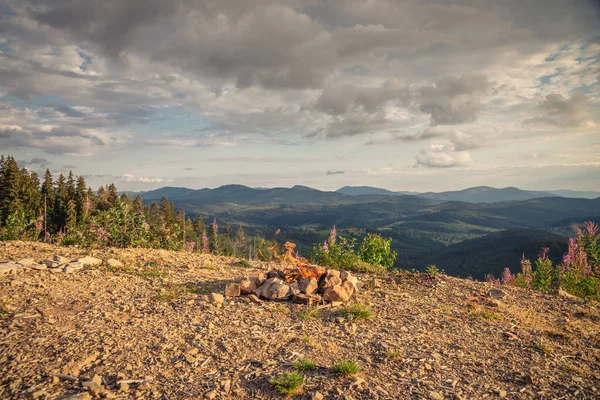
x=507 y=277
x=190 y=246
x=205 y=248
x=87 y=204
x=215 y=227
x=526 y=270
x=543 y=255
x=332 y=235
x=39 y=224
x=325 y=246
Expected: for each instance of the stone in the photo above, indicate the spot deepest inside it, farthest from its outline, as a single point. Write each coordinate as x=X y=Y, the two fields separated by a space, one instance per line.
x=76 y=396
x=52 y=263
x=502 y=393
x=308 y=285
x=72 y=267
x=294 y=287
x=232 y=290
x=260 y=279
x=211 y=395
x=273 y=289
x=317 y=396
x=114 y=263
x=145 y=385
x=254 y=298
x=216 y=298
x=226 y=385
x=60 y=259
x=88 y=260
x=123 y=387
x=36 y=394
x=344 y=275
x=349 y=288
x=496 y=293
x=334 y=272
x=16 y=282
x=26 y=262
x=377 y=283
x=436 y=396
x=273 y=274
x=38 y=267
x=93 y=388
x=358 y=381
x=248 y=285
x=329 y=281
x=302 y=298
x=335 y=293
x=8 y=268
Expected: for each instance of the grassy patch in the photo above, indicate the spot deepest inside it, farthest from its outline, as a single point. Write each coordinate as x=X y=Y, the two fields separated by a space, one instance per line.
x=304 y=365
x=146 y=272
x=543 y=346
x=484 y=315
x=243 y=264
x=357 y=311
x=288 y=384
x=3 y=311
x=432 y=270
x=346 y=367
x=311 y=313
x=393 y=355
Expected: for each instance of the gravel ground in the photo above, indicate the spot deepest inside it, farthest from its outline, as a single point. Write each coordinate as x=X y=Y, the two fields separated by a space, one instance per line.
x=147 y=329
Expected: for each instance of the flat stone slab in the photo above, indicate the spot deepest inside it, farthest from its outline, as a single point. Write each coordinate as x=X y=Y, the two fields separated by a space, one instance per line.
x=7 y=268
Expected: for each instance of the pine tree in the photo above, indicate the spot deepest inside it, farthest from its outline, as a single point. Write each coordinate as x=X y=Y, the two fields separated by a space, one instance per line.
x=71 y=185
x=47 y=192
x=167 y=210
x=199 y=226
x=10 y=181
x=112 y=195
x=81 y=197
x=71 y=219
x=61 y=202
x=240 y=242
x=138 y=205
x=227 y=231
x=29 y=193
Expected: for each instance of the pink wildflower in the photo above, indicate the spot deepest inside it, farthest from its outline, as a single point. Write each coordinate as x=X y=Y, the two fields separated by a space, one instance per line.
x=507 y=277
x=190 y=246
x=325 y=246
x=543 y=255
x=215 y=227
x=332 y=235
x=205 y=248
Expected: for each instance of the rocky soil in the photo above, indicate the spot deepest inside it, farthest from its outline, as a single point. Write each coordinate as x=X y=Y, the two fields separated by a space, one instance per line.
x=157 y=327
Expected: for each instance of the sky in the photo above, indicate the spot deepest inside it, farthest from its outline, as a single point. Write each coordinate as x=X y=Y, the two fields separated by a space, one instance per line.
x=404 y=95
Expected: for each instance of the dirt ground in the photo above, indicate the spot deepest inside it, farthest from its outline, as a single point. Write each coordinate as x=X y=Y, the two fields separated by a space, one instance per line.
x=147 y=330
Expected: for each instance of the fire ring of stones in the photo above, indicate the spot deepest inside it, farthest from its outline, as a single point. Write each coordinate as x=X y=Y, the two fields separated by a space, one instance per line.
x=302 y=285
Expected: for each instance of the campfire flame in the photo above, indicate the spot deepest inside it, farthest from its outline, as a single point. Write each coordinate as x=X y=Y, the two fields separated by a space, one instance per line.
x=300 y=268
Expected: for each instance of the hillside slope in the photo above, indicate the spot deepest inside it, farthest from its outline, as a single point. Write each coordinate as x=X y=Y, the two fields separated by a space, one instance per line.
x=147 y=326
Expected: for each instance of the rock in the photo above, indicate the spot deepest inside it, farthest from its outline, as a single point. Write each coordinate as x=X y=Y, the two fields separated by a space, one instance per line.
x=36 y=394
x=329 y=281
x=273 y=288
x=114 y=263
x=60 y=259
x=308 y=285
x=88 y=260
x=302 y=298
x=335 y=293
x=294 y=287
x=248 y=285
x=51 y=263
x=334 y=272
x=93 y=388
x=358 y=381
x=232 y=290
x=226 y=385
x=26 y=262
x=317 y=396
x=260 y=279
x=72 y=267
x=254 y=298
x=216 y=298
x=496 y=293
x=145 y=385
x=38 y=267
x=76 y=396
x=123 y=387
x=349 y=288
x=436 y=396
x=211 y=395
x=502 y=393
x=7 y=268
x=16 y=282
x=377 y=283
x=273 y=274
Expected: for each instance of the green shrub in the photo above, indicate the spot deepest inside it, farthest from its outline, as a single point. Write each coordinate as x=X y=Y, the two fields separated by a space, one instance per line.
x=432 y=270
x=304 y=365
x=376 y=250
x=357 y=311
x=346 y=367
x=288 y=383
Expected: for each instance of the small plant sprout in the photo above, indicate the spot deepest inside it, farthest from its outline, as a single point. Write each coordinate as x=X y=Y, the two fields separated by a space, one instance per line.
x=357 y=311
x=432 y=270
x=346 y=367
x=311 y=313
x=288 y=383
x=304 y=365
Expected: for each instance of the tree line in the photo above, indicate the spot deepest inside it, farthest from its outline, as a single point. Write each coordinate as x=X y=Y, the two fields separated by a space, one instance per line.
x=65 y=210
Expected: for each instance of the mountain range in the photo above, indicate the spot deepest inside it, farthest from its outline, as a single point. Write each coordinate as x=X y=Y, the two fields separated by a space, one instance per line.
x=470 y=232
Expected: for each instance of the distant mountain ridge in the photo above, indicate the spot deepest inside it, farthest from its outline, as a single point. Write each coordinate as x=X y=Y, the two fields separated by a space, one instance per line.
x=477 y=194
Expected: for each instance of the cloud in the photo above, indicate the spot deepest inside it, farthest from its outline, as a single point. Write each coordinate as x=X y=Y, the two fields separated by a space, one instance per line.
x=42 y=162
x=335 y=172
x=141 y=179
x=559 y=111
x=438 y=156
x=425 y=134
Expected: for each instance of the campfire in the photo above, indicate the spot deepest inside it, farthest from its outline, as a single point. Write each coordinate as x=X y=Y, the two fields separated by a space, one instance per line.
x=299 y=281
